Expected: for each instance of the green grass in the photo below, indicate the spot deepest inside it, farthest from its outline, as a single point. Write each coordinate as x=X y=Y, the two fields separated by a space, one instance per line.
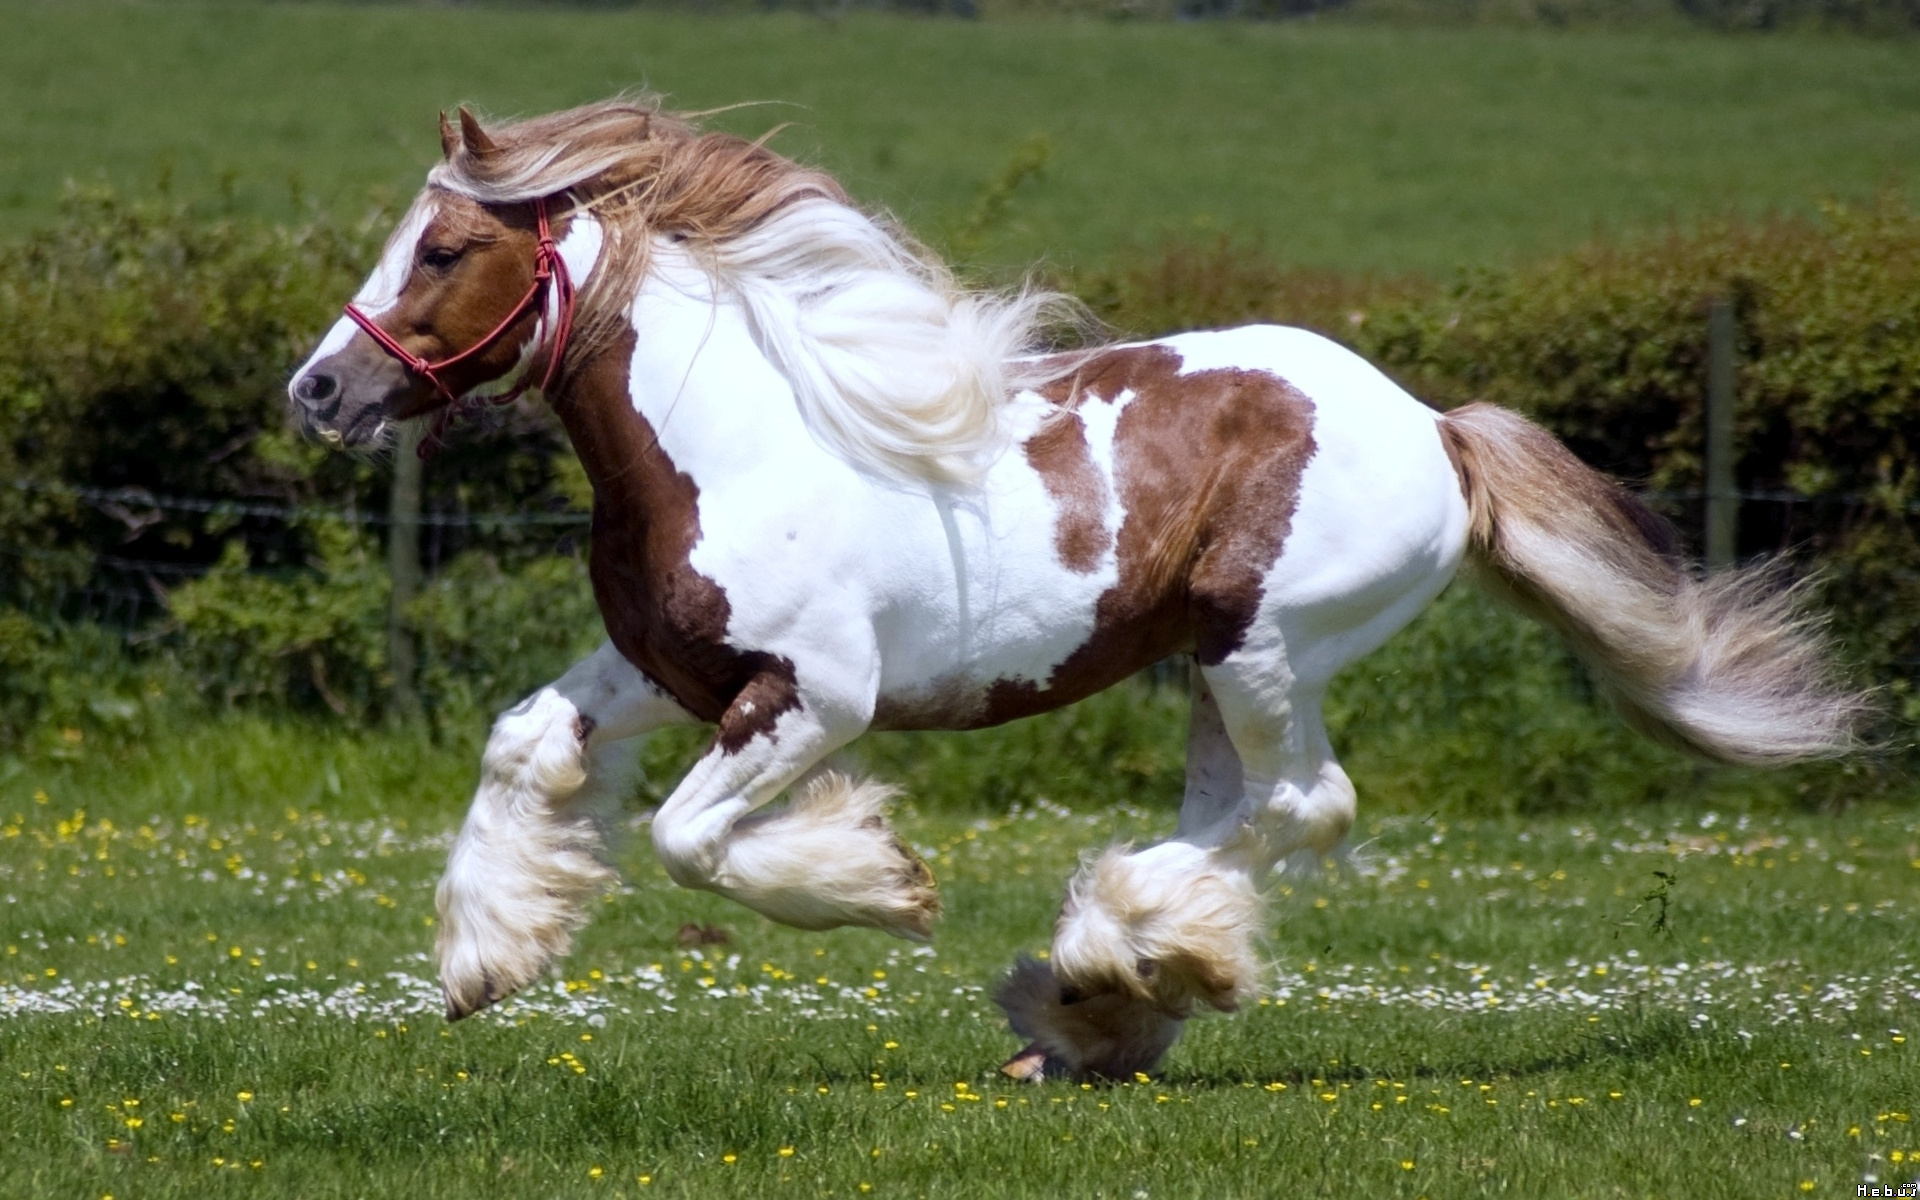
x=232 y=928
x=1377 y=148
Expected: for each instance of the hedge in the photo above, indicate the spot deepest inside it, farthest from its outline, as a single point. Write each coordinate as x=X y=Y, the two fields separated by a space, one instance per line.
x=145 y=346
x=142 y=344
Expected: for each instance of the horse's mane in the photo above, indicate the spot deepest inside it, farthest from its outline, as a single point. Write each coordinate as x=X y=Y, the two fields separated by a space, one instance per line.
x=896 y=366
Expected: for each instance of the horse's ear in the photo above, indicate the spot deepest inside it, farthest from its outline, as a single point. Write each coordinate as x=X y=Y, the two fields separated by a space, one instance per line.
x=477 y=142
x=449 y=137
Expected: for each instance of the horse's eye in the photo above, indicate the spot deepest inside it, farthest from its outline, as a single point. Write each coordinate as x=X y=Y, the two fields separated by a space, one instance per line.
x=439 y=258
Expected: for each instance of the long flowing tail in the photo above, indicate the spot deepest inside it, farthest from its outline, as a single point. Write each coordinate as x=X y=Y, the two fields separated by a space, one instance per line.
x=1729 y=666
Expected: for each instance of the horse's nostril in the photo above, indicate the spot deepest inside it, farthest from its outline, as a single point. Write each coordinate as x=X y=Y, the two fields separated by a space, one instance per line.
x=316 y=389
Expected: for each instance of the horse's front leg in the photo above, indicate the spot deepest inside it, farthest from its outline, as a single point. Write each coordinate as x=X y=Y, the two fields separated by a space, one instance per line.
x=825 y=859
x=531 y=853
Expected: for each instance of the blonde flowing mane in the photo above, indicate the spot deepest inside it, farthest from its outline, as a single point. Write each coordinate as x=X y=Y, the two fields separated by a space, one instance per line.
x=896 y=367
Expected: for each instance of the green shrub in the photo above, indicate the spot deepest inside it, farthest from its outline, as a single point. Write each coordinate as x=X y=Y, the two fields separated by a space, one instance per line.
x=487 y=634
x=1221 y=283
x=490 y=634
x=146 y=346
x=1607 y=347
x=318 y=633
x=65 y=687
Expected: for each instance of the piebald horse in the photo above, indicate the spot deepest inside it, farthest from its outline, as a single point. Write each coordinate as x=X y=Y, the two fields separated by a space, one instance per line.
x=835 y=491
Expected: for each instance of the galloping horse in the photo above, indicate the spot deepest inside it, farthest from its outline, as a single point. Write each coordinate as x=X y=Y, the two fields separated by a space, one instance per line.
x=835 y=491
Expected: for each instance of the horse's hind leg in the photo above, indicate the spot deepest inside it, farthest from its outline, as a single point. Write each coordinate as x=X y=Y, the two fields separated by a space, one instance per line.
x=1145 y=935
x=530 y=852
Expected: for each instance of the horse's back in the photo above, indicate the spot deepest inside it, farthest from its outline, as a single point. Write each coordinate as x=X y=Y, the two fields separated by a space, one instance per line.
x=1206 y=493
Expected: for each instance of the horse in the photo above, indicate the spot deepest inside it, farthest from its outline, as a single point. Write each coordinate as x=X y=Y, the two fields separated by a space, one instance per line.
x=835 y=490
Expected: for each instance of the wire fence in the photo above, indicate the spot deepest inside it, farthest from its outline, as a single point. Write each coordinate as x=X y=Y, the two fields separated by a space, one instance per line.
x=109 y=499
x=125 y=593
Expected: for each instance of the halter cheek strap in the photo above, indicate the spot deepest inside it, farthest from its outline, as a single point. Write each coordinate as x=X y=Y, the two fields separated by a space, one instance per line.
x=549 y=270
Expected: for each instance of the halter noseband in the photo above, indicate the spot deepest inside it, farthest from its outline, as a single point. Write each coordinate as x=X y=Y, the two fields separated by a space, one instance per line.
x=548 y=267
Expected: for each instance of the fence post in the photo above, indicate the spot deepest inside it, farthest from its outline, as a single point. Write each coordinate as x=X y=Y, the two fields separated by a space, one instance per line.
x=403 y=566
x=1723 y=500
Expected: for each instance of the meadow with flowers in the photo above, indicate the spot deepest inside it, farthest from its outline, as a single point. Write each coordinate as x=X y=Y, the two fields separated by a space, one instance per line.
x=216 y=981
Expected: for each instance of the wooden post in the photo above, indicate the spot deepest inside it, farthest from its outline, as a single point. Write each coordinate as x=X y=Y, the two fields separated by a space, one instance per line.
x=403 y=567
x=1723 y=499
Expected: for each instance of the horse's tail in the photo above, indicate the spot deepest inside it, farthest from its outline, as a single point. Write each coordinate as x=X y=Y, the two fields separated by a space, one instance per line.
x=1729 y=666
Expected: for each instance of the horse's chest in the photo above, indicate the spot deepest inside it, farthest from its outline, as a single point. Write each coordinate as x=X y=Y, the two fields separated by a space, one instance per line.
x=668 y=619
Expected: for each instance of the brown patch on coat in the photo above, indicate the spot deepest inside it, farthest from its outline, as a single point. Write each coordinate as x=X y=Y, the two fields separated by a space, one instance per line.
x=663 y=616
x=1208 y=470
x=1060 y=455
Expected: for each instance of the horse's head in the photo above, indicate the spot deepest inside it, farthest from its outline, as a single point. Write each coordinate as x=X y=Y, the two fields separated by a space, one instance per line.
x=455 y=304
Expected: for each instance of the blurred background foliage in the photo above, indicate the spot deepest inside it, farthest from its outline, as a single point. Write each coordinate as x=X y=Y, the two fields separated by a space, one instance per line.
x=143 y=348
x=170 y=551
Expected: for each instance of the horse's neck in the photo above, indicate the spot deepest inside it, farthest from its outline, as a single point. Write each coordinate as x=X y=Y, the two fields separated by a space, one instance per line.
x=688 y=391
x=700 y=378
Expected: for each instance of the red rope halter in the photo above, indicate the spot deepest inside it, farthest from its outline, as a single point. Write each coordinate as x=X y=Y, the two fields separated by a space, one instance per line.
x=548 y=267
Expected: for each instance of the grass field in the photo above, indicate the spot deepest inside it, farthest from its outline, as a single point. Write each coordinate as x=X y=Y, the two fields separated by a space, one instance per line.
x=215 y=983
x=1351 y=146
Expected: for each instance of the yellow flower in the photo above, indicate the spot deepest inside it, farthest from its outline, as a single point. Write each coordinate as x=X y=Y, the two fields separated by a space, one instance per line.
x=1406 y=1164
x=786 y=1152
x=646 y=1181
x=729 y=1158
x=594 y=1172
x=244 y=1097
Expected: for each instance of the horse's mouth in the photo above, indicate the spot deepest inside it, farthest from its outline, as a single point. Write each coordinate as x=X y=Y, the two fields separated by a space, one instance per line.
x=364 y=429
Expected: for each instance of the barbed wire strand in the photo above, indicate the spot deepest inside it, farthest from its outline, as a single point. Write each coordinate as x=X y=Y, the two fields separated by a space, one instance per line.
x=141 y=498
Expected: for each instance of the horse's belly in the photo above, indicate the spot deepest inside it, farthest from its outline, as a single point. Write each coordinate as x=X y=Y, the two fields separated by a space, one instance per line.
x=961 y=658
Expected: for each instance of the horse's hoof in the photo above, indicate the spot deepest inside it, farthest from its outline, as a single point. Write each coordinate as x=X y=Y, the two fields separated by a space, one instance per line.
x=914 y=919
x=455 y=1010
x=1028 y=1066
x=460 y=1007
